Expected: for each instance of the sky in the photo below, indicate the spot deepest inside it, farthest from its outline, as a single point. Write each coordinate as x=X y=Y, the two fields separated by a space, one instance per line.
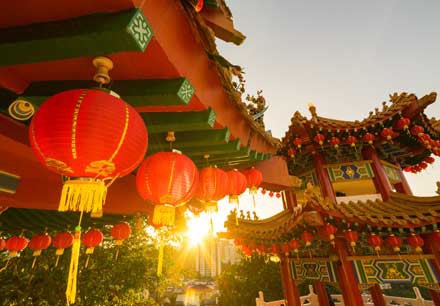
x=345 y=57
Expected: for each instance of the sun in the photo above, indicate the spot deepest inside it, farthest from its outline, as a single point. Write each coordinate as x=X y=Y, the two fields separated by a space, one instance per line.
x=199 y=227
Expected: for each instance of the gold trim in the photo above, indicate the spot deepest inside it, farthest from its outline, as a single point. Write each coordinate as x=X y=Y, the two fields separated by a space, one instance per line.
x=10 y=174
x=8 y=191
x=361 y=162
x=124 y=133
x=391 y=257
x=37 y=146
x=75 y=121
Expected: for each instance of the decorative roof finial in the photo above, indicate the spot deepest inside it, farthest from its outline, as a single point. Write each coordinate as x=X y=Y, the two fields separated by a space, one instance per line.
x=312 y=109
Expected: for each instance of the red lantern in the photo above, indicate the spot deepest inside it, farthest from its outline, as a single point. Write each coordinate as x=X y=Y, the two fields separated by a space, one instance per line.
x=294 y=244
x=429 y=159
x=369 y=138
x=403 y=123
x=199 y=5
x=298 y=142
x=15 y=245
x=291 y=152
x=246 y=250
x=375 y=241
x=387 y=133
x=423 y=165
x=254 y=178
x=275 y=249
x=352 y=237
x=92 y=239
x=263 y=191
x=120 y=232
x=213 y=185
x=417 y=130
x=330 y=231
x=278 y=195
x=319 y=138
x=61 y=241
x=285 y=248
x=261 y=248
x=87 y=134
x=39 y=243
x=407 y=169
x=351 y=140
x=394 y=242
x=237 y=185
x=238 y=242
x=167 y=178
x=335 y=141
x=307 y=237
x=416 y=242
x=271 y=194
x=2 y=244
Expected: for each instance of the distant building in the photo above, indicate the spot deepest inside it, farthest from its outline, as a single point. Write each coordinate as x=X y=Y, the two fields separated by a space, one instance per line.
x=212 y=254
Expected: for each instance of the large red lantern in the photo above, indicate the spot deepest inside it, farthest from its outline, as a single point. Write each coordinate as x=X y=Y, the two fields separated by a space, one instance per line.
x=375 y=241
x=213 y=185
x=334 y=142
x=417 y=130
x=254 y=178
x=330 y=231
x=416 y=242
x=307 y=237
x=403 y=123
x=89 y=136
x=351 y=140
x=237 y=185
x=15 y=245
x=387 y=133
x=369 y=138
x=92 y=239
x=352 y=237
x=167 y=179
x=394 y=242
x=298 y=142
x=120 y=232
x=319 y=138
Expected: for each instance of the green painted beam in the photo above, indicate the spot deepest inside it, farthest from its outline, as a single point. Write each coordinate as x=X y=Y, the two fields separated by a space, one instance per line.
x=149 y=92
x=89 y=35
x=231 y=147
x=179 y=121
x=187 y=140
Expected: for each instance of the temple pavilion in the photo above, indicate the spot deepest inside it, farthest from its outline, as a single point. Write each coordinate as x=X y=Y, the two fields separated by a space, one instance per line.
x=353 y=221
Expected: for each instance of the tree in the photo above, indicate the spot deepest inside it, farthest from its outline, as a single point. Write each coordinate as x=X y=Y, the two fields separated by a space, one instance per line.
x=106 y=280
x=239 y=283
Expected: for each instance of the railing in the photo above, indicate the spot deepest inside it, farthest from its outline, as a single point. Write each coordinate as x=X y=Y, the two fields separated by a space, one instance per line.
x=312 y=300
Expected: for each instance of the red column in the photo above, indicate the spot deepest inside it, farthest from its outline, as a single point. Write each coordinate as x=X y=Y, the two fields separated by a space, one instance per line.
x=347 y=280
x=381 y=181
x=431 y=247
x=403 y=186
x=322 y=293
x=291 y=293
x=323 y=177
x=377 y=295
x=289 y=201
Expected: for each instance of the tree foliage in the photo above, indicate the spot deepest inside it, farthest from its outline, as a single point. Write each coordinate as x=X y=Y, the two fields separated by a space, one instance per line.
x=239 y=283
x=126 y=280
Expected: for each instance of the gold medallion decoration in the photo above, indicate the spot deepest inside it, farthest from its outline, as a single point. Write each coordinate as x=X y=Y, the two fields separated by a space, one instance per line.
x=21 y=110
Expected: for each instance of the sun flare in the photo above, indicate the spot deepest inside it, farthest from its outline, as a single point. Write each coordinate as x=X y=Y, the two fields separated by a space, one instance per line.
x=199 y=227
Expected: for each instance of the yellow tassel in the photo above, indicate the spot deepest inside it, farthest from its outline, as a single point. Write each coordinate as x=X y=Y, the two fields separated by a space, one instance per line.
x=233 y=199
x=164 y=215
x=73 y=269
x=160 y=259
x=87 y=196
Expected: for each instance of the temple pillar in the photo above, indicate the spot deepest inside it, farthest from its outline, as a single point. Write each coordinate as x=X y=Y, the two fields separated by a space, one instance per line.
x=322 y=293
x=323 y=177
x=403 y=186
x=381 y=181
x=291 y=293
x=346 y=277
x=377 y=295
x=289 y=200
x=431 y=247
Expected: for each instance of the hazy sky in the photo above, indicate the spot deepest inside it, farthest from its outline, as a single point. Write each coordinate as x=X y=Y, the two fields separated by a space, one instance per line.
x=344 y=56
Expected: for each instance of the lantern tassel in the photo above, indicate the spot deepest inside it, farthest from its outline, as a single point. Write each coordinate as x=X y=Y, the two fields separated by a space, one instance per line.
x=160 y=258
x=87 y=196
x=33 y=262
x=57 y=260
x=73 y=268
